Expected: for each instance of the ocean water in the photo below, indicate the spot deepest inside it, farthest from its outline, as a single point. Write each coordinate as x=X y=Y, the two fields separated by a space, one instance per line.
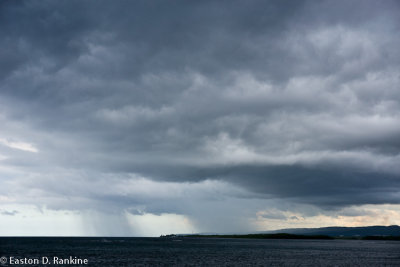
x=34 y=251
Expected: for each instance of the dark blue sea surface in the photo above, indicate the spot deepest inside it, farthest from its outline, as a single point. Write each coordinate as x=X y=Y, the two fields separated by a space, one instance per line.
x=200 y=251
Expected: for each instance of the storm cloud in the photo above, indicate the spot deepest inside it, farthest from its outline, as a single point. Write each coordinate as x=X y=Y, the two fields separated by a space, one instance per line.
x=211 y=110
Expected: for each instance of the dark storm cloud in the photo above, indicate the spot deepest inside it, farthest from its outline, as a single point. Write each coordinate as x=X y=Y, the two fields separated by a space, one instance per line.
x=294 y=100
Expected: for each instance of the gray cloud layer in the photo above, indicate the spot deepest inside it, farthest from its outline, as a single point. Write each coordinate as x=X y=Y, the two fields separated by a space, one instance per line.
x=291 y=100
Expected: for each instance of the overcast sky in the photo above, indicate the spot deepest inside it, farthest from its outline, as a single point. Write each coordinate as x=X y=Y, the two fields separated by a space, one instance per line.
x=157 y=117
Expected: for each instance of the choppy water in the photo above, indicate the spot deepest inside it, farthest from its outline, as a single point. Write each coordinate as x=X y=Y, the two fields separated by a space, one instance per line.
x=204 y=252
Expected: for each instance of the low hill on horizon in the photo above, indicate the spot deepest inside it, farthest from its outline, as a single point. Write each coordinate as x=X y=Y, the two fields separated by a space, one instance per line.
x=335 y=231
x=338 y=231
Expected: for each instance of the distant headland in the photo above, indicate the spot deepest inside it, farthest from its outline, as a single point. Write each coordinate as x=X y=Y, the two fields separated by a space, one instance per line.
x=362 y=233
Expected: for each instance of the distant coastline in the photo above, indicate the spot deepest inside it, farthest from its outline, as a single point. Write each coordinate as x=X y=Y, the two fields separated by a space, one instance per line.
x=267 y=236
x=326 y=233
x=295 y=236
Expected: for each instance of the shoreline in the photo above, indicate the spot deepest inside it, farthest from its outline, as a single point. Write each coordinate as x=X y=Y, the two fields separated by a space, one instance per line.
x=291 y=236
